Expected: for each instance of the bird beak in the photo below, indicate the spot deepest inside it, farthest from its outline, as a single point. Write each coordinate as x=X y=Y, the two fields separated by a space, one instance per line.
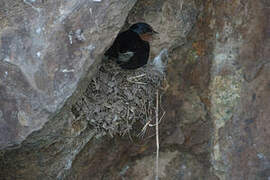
x=154 y=32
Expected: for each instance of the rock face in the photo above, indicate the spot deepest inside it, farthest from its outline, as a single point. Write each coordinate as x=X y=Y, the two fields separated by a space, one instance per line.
x=217 y=100
x=239 y=90
x=46 y=48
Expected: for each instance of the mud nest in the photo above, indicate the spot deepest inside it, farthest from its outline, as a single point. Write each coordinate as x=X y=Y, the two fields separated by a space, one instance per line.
x=115 y=99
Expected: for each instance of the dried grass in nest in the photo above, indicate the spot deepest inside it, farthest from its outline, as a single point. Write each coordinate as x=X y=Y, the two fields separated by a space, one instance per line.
x=115 y=98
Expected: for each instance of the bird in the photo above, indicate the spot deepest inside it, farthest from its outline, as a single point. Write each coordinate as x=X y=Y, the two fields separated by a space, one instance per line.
x=131 y=48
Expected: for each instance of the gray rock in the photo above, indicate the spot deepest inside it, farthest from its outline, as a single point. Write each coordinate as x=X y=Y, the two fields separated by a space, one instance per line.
x=216 y=124
x=46 y=49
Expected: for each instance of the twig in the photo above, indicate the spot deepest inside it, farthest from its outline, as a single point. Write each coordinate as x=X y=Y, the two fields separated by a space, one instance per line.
x=157 y=137
x=35 y=8
x=136 y=77
x=141 y=134
x=132 y=79
x=146 y=112
x=136 y=82
x=151 y=125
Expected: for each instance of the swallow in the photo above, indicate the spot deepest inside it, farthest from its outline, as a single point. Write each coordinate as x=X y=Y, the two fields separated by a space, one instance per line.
x=131 y=48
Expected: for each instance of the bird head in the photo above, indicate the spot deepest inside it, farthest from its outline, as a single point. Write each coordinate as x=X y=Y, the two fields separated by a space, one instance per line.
x=145 y=31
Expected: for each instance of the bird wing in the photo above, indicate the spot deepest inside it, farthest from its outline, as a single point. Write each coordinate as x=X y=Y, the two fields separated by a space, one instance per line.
x=140 y=57
x=133 y=51
x=123 y=43
x=112 y=52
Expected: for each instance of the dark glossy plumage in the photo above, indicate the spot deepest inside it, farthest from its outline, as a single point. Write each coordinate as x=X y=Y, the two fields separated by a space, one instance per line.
x=128 y=49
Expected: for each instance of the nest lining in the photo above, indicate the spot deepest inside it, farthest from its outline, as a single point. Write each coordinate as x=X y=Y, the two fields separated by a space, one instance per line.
x=115 y=99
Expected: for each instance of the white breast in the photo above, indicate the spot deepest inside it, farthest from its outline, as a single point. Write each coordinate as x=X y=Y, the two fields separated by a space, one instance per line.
x=124 y=57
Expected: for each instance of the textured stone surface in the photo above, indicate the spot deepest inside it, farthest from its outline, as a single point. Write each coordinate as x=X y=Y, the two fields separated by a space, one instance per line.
x=240 y=90
x=65 y=148
x=217 y=105
x=185 y=129
x=46 y=48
